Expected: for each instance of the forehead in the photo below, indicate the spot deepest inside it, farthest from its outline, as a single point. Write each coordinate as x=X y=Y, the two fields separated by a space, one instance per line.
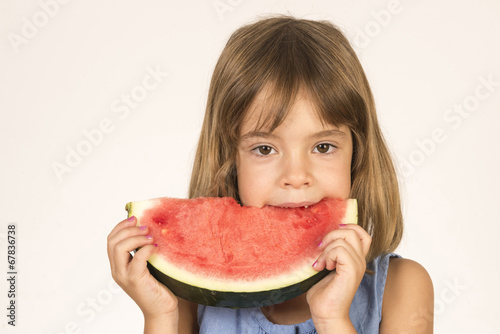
x=270 y=109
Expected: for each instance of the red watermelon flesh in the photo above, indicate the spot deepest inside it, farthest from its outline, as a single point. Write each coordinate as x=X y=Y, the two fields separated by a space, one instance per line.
x=216 y=244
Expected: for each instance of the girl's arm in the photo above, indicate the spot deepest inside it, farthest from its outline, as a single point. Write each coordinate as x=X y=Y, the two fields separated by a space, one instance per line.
x=408 y=304
x=188 y=317
x=157 y=303
x=329 y=300
x=184 y=323
x=161 y=325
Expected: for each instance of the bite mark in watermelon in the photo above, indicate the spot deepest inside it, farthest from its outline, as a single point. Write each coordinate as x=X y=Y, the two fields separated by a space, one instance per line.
x=213 y=251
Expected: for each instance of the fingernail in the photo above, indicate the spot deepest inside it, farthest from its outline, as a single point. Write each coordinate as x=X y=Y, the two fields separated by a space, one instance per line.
x=319 y=245
x=149 y=236
x=143 y=227
x=315 y=263
x=131 y=218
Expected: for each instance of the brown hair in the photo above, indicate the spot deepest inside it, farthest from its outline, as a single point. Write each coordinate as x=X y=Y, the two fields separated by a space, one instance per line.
x=286 y=55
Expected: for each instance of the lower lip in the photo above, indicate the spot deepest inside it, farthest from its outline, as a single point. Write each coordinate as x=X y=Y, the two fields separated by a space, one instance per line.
x=295 y=205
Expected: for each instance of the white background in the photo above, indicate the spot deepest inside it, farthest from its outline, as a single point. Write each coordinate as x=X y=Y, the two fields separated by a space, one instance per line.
x=61 y=73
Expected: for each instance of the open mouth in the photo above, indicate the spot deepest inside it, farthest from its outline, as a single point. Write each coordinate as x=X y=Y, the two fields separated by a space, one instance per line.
x=296 y=205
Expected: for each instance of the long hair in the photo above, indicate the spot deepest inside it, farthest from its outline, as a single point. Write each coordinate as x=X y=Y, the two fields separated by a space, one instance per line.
x=284 y=54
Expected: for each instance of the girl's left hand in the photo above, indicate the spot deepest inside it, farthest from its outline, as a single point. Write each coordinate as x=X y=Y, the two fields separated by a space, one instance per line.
x=345 y=250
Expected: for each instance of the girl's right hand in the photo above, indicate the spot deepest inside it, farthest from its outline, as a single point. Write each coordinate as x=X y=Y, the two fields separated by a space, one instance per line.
x=132 y=274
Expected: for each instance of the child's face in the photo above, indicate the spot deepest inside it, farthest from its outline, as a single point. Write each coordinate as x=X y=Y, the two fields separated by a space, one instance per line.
x=299 y=163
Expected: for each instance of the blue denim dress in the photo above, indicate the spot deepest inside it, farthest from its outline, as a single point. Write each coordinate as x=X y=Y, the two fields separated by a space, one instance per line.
x=365 y=311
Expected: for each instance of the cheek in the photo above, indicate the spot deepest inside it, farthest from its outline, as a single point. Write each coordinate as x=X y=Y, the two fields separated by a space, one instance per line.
x=345 y=182
x=334 y=179
x=243 y=176
x=246 y=188
x=337 y=184
x=346 y=185
x=254 y=182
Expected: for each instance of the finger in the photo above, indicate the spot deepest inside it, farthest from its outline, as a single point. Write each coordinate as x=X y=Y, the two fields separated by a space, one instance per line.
x=132 y=221
x=127 y=232
x=337 y=252
x=111 y=240
x=124 y=233
x=364 y=237
x=342 y=253
x=138 y=265
x=122 y=250
x=349 y=235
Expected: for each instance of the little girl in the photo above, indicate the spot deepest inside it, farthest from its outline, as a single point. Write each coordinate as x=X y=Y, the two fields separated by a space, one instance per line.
x=291 y=120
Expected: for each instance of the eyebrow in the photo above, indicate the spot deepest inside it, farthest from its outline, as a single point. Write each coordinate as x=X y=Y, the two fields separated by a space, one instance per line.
x=321 y=134
x=329 y=133
x=258 y=134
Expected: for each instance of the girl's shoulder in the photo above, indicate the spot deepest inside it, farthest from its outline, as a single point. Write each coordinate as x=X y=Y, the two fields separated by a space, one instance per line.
x=408 y=300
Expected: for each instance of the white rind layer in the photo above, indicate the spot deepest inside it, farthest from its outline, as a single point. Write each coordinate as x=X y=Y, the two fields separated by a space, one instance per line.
x=301 y=272
x=351 y=215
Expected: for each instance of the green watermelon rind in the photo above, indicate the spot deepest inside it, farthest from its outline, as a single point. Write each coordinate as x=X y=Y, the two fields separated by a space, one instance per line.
x=235 y=293
x=235 y=299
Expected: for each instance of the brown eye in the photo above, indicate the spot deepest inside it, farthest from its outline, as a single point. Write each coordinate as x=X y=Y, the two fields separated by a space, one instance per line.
x=323 y=148
x=263 y=150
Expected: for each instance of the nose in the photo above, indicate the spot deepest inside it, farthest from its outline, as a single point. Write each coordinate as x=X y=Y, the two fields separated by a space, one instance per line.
x=296 y=172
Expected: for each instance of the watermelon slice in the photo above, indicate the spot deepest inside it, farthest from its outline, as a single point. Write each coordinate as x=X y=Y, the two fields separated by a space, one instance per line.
x=213 y=251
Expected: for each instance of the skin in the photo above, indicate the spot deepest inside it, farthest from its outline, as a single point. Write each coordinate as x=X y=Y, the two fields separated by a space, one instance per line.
x=301 y=162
